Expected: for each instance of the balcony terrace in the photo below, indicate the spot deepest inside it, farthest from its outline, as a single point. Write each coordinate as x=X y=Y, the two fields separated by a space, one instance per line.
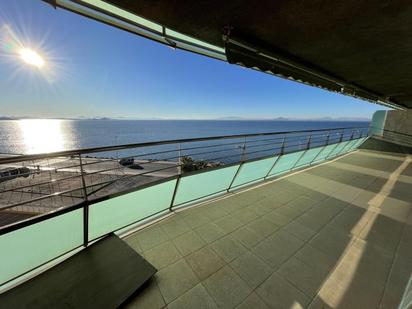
x=336 y=235
x=318 y=219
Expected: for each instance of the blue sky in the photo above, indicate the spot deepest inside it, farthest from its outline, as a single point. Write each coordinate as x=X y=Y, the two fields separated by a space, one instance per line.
x=94 y=70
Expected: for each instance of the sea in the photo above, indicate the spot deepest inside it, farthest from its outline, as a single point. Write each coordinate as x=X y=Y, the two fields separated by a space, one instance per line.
x=29 y=136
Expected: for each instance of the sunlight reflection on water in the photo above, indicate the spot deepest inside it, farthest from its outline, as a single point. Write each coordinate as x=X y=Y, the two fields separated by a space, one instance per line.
x=42 y=135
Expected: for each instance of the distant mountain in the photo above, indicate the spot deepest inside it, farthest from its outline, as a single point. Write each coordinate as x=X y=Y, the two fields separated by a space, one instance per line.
x=231 y=118
x=280 y=118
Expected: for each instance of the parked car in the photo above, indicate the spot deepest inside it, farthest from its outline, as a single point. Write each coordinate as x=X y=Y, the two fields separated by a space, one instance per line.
x=11 y=173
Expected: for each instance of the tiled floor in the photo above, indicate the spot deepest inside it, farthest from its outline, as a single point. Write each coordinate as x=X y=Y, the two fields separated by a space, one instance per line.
x=337 y=235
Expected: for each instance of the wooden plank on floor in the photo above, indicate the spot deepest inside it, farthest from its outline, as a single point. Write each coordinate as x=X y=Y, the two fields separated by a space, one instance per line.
x=103 y=275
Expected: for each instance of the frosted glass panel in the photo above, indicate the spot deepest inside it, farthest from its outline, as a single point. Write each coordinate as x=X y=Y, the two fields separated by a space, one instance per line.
x=115 y=213
x=349 y=146
x=338 y=149
x=253 y=171
x=205 y=183
x=345 y=147
x=358 y=143
x=308 y=157
x=34 y=245
x=324 y=153
x=285 y=163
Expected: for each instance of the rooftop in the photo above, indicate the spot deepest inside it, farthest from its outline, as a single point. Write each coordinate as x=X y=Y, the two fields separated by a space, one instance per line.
x=334 y=235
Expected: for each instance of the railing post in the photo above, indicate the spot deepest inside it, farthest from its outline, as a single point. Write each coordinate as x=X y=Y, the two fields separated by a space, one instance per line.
x=327 y=138
x=179 y=175
x=242 y=160
x=350 y=139
x=243 y=155
x=317 y=155
x=282 y=149
x=304 y=151
x=85 y=207
x=180 y=158
x=341 y=136
x=309 y=141
x=340 y=141
x=174 y=192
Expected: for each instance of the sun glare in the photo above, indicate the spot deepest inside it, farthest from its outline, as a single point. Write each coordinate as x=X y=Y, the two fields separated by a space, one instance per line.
x=31 y=57
x=23 y=53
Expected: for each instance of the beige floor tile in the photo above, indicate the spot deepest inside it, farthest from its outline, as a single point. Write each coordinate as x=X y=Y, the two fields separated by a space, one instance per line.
x=151 y=237
x=210 y=232
x=300 y=231
x=253 y=301
x=279 y=293
x=163 y=255
x=133 y=241
x=312 y=221
x=277 y=248
x=175 y=227
x=278 y=219
x=175 y=279
x=395 y=286
x=229 y=223
x=214 y=212
x=247 y=237
x=228 y=248
x=188 y=243
x=331 y=241
x=251 y=269
x=246 y=215
x=226 y=288
x=148 y=298
x=205 y=262
x=262 y=227
x=289 y=212
x=196 y=219
x=316 y=258
x=197 y=297
x=308 y=279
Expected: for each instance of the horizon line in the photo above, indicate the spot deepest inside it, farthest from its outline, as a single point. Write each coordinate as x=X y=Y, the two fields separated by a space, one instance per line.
x=193 y=119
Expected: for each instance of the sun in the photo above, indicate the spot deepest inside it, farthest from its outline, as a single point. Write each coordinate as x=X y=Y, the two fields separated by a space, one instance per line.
x=31 y=57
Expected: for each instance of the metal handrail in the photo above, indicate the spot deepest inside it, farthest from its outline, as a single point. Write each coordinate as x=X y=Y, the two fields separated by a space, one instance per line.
x=279 y=150
x=274 y=148
x=77 y=152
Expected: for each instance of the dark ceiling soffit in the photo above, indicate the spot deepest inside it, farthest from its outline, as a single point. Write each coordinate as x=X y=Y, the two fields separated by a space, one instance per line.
x=241 y=52
x=116 y=21
x=52 y=3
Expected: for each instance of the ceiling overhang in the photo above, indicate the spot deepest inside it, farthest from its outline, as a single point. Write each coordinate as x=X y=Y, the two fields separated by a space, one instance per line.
x=357 y=48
